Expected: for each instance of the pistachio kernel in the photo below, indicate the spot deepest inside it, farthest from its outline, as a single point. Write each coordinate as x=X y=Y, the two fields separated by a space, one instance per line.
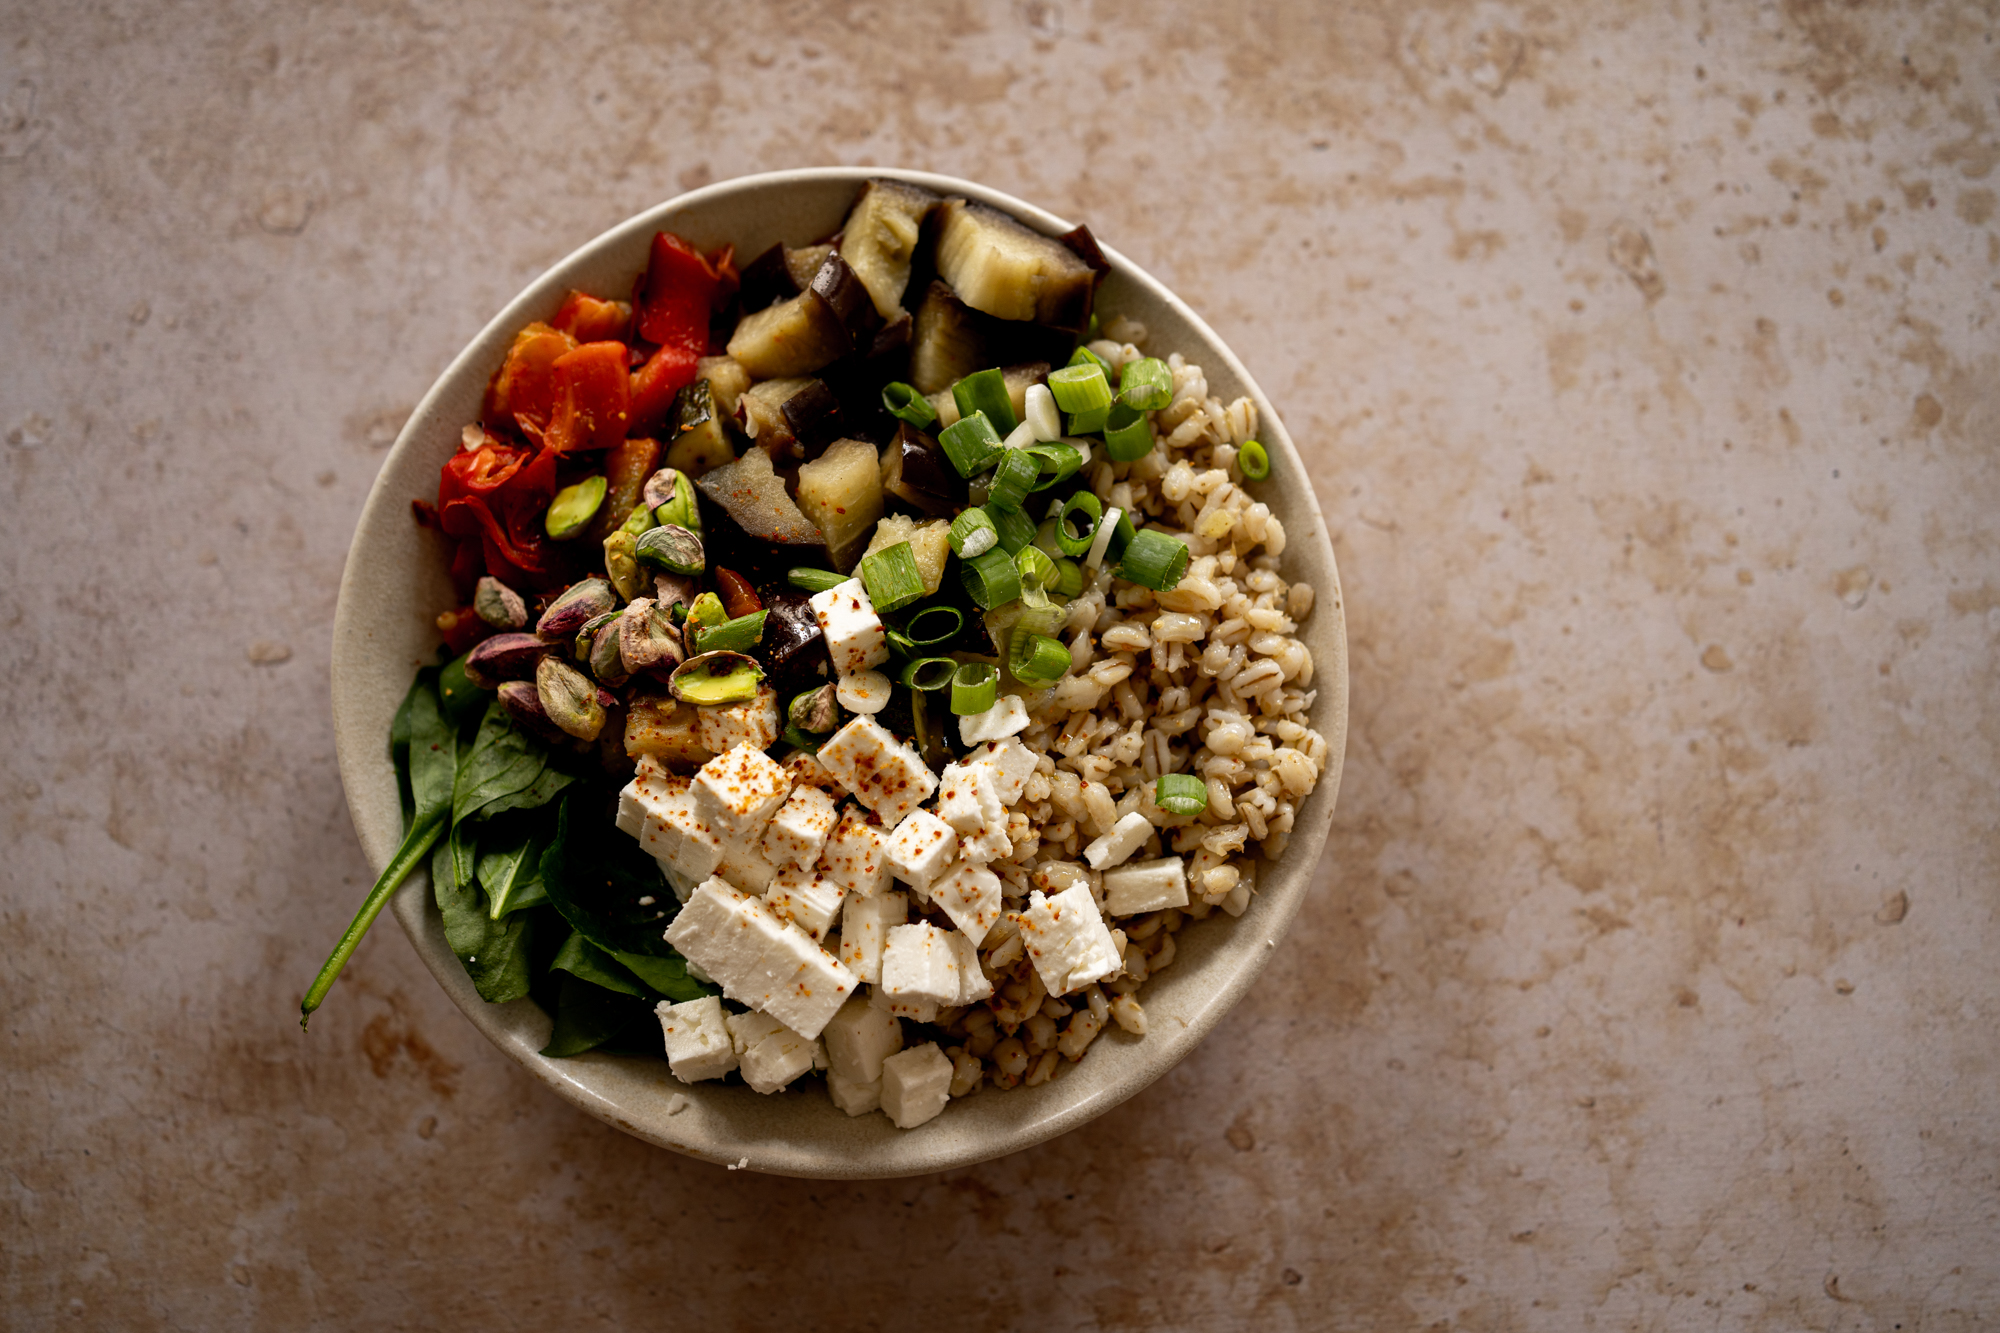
x=671 y=547
x=716 y=678
x=504 y=657
x=606 y=663
x=647 y=638
x=573 y=508
x=578 y=603
x=815 y=711
x=622 y=564
x=669 y=495
x=587 y=636
x=569 y=698
x=523 y=703
x=499 y=605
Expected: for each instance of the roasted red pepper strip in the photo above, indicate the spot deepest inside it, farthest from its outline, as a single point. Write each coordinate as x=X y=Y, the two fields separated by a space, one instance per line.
x=523 y=394
x=680 y=291
x=589 y=320
x=496 y=494
x=654 y=386
x=593 y=398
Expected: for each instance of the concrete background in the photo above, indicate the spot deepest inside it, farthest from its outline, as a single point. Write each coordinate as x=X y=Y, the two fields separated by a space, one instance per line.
x=1645 y=354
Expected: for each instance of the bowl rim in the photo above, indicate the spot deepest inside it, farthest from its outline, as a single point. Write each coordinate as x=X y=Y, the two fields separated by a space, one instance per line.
x=361 y=762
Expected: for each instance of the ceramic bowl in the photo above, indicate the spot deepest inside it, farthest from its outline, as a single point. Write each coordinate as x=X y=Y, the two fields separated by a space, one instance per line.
x=394 y=584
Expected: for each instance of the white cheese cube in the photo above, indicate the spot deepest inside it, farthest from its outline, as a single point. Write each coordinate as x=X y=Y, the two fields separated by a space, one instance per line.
x=807 y=900
x=770 y=1054
x=682 y=885
x=863 y=692
x=684 y=844
x=884 y=774
x=752 y=722
x=989 y=844
x=925 y=966
x=916 y=1084
x=859 y=1039
x=1146 y=886
x=972 y=983
x=851 y=1097
x=760 y=959
x=1127 y=836
x=970 y=896
x=1006 y=717
x=698 y=1044
x=865 y=924
x=916 y=1010
x=738 y=792
x=969 y=797
x=797 y=833
x=1068 y=940
x=805 y=770
x=855 y=854
x=1013 y=764
x=920 y=848
x=854 y=635
x=746 y=867
x=652 y=788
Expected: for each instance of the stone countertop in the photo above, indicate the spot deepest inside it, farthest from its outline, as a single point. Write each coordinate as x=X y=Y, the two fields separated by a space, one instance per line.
x=1645 y=358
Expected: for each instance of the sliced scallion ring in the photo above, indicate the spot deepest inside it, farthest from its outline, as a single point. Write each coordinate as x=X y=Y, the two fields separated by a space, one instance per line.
x=986 y=391
x=1083 y=356
x=1180 y=794
x=934 y=626
x=1128 y=436
x=814 y=580
x=930 y=673
x=975 y=687
x=970 y=443
x=1107 y=527
x=972 y=533
x=1254 y=460
x=1013 y=478
x=1036 y=567
x=1069 y=580
x=1146 y=384
x=1085 y=511
x=1058 y=461
x=1036 y=659
x=1016 y=529
x=904 y=403
x=991 y=580
x=1155 y=560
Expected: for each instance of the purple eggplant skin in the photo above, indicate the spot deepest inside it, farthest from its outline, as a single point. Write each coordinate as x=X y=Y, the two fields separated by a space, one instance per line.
x=921 y=475
x=846 y=296
x=757 y=557
x=767 y=280
x=814 y=417
x=793 y=649
x=857 y=380
x=504 y=657
x=1085 y=247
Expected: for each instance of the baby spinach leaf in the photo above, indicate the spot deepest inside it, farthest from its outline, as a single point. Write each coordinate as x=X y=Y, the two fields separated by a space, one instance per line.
x=510 y=865
x=667 y=977
x=588 y=1015
x=604 y=884
x=423 y=743
x=504 y=761
x=463 y=701
x=580 y=958
x=495 y=953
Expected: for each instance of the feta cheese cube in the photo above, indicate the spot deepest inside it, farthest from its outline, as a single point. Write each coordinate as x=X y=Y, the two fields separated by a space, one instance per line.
x=970 y=896
x=1127 y=836
x=738 y=792
x=863 y=692
x=760 y=959
x=989 y=844
x=698 y=1044
x=916 y=1084
x=798 y=831
x=922 y=965
x=884 y=774
x=865 y=924
x=855 y=855
x=770 y=1054
x=682 y=886
x=670 y=830
x=1013 y=764
x=920 y=848
x=859 y=1039
x=1068 y=940
x=720 y=728
x=805 y=770
x=1006 y=717
x=1146 y=886
x=854 y=635
x=916 y=1010
x=651 y=789
x=746 y=867
x=969 y=797
x=851 y=1097
x=807 y=900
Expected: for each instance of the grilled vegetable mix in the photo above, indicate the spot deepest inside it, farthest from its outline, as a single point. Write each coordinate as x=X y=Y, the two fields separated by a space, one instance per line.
x=656 y=487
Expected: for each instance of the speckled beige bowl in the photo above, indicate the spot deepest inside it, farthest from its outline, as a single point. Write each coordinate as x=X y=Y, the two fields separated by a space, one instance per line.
x=394 y=585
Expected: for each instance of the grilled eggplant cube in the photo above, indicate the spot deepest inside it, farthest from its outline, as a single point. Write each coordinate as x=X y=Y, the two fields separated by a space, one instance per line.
x=948 y=341
x=881 y=236
x=841 y=491
x=701 y=432
x=813 y=329
x=753 y=496
x=1010 y=270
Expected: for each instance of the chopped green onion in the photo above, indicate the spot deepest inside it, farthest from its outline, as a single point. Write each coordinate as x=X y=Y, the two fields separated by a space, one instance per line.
x=970 y=443
x=1036 y=659
x=1016 y=529
x=901 y=644
x=1128 y=436
x=972 y=533
x=892 y=577
x=1155 y=560
x=991 y=580
x=929 y=673
x=986 y=391
x=1059 y=461
x=1035 y=566
x=1180 y=794
x=1146 y=384
x=1255 y=461
x=1012 y=479
x=1107 y=527
x=1045 y=536
x=1090 y=509
x=733 y=636
x=934 y=626
x=1083 y=356
x=1088 y=423
x=1081 y=388
x=905 y=404
x=814 y=580
x=1069 y=580
x=803 y=741
x=1122 y=535
x=975 y=687
x=1039 y=614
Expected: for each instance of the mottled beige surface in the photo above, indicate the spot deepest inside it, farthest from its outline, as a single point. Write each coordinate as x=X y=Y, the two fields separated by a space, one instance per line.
x=1647 y=357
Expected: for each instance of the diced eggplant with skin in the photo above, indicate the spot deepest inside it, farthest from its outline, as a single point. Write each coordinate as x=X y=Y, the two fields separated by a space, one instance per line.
x=916 y=472
x=701 y=439
x=1009 y=270
x=857 y=380
x=753 y=497
x=1018 y=379
x=804 y=264
x=947 y=342
x=841 y=491
x=726 y=381
x=761 y=411
x=881 y=236
x=1079 y=239
x=793 y=649
x=811 y=330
